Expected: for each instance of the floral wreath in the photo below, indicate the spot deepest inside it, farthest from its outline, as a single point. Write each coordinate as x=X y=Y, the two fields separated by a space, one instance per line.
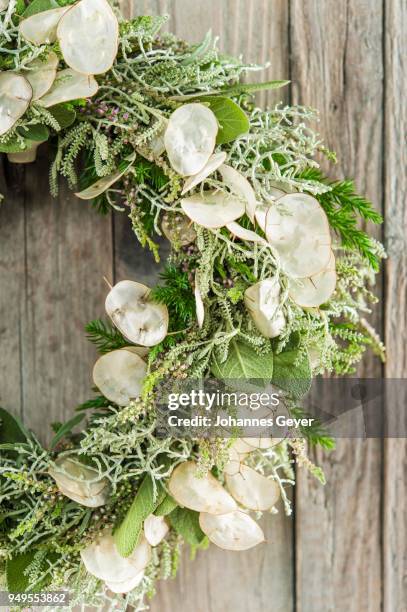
x=268 y=278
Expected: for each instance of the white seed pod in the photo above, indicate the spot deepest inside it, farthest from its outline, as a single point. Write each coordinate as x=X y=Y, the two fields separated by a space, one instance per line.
x=15 y=97
x=69 y=85
x=119 y=376
x=139 y=319
x=241 y=187
x=41 y=28
x=4 y=4
x=88 y=35
x=263 y=304
x=178 y=229
x=190 y=138
x=155 y=529
x=315 y=290
x=80 y=482
x=245 y=234
x=210 y=167
x=199 y=305
x=102 y=184
x=262 y=209
x=125 y=586
x=233 y=531
x=102 y=559
x=252 y=490
x=41 y=74
x=298 y=228
x=203 y=494
x=212 y=209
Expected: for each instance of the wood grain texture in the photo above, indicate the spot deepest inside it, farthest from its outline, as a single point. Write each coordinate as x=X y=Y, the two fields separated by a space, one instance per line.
x=395 y=450
x=53 y=257
x=336 y=66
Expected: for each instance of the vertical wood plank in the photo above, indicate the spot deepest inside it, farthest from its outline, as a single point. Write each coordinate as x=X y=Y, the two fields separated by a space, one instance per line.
x=337 y=68
x=217 y=580
x=395 y=450
x=56 y=254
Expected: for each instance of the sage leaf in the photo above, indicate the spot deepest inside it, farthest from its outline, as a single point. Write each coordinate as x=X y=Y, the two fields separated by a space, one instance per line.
x=39 y=6
x=243 y=362
x=127 y=534
x=37 y=132
x=167 y=505
x=11 y=428
x=292 y=373
x=186 y=524
x=250 y=88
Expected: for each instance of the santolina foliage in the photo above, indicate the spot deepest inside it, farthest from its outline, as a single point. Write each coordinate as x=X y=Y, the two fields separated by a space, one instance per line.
x=173 y=139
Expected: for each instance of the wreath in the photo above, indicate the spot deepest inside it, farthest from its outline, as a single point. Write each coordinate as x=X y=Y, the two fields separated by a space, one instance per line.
x=269 y=278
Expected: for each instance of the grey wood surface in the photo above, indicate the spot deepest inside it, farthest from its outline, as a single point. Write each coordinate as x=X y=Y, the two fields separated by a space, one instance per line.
x=345 y=548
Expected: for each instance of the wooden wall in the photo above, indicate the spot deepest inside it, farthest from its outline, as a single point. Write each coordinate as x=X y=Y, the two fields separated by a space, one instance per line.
x=345 y=548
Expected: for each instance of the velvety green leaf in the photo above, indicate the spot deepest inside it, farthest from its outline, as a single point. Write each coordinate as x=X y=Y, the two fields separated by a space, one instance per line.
x=127 y=534
x=235 y=90
x=64 y=115
x=11 y=429
x=292 y=373
x=39 y=6
x=14 y=146
x=186 y=524
x=243 y=362
x=37 y=132
x=232 y=120
x=17 y=581
x=167 y=505
x=66 y=428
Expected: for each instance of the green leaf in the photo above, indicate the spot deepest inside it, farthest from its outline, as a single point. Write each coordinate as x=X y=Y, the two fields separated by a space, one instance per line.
x=235 y=90
x=39 y=6
x=15 y=146
x=167 y=505
x=186 y=524
x=17 y=581
x=37 y=132
x=11 y=428
x=127 y=534
x=232 y=120
x=292 y=373
x=243 y=362
x=63 y=114
x=65 y=429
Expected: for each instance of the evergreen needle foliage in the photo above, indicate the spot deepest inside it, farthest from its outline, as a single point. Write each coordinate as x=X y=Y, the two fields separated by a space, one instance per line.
x=104 y=336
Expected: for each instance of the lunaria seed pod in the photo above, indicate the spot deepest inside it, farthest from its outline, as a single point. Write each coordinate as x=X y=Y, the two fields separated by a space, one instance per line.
x=245 y=234
x=178 y=229
x=263 y=304
x=155 y=529
x=315 y=290
x=69 y=85
x=210 y=167
x=240 y=187
x=190 y=138
x=88 y=35
x=297 y=227
x=119 y=376
x=103 y=184
x=121 y=574
x=233 y=531
x=202 y=494
x=41 y=28
x=41 y=73
x=252 y=490
x=213 y=209
x=139 y=319
x=80 y=482
x=15 y=97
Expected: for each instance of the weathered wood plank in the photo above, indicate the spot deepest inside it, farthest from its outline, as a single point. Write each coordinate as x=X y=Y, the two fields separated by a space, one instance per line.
x=395 y=450
x=218 y=580
x=53 y=268
x=337 y=68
